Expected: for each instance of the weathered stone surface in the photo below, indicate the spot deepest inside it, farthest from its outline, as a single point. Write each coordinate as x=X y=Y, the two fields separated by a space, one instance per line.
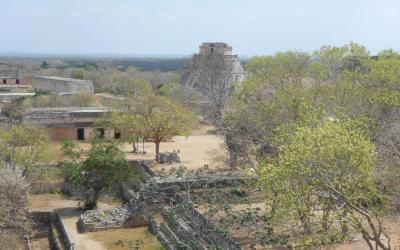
x=169 y=157
x=138 y=219
x=215 y=64
x=94 y=220
x=61 y=85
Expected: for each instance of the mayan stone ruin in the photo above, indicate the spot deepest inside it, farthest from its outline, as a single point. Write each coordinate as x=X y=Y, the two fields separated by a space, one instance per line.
x=61 y=85
x=215 y=64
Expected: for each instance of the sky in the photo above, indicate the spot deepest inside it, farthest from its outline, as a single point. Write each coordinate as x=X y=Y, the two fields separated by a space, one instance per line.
x=178 y=27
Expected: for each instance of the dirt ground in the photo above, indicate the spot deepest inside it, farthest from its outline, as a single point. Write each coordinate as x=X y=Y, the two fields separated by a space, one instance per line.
x=200 y=148
x=40 y=244
x=107 y=240
x=392 y=227
x=49 y=202
x=195 y=152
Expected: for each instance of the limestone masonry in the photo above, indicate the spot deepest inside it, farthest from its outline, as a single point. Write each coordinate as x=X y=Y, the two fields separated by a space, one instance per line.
x=61 y=85
x=215 y=64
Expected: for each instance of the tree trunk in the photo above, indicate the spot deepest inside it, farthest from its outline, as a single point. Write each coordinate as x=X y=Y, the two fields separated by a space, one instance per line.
x=343 y=224
x=305 y=222
x=157 y=150
x=134 y=148
x=325 y=218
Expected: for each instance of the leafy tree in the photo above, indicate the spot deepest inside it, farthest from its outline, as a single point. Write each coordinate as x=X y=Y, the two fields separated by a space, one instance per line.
x=44 y=65
x=185 y=96
x=330 y=166
x=160 y=119
x=79 y=73
x=281 y=69
x=154 y=118
x=126 y=123
x=104 y=166
x=24 y=147
x=135 y=87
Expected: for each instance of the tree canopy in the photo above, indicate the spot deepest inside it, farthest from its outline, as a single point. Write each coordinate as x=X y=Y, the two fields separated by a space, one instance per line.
x=105 y=165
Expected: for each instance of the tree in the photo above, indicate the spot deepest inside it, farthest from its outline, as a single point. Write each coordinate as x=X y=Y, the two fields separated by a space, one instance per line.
x=281 y=69
x=160 y=119
x=126 y=123
x=135 y=87
x=24 y=147
x=44 y=65
x=329 y=166
x=105 y=165
x=214 y=76
x=184 y=96
x=22 y=150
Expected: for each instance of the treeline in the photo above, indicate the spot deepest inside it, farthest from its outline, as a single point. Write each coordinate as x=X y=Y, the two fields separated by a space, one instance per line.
x=107 y=78
x=146 y=64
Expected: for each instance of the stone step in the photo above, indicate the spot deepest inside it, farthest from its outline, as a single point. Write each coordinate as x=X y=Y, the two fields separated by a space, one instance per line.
x=170 y=236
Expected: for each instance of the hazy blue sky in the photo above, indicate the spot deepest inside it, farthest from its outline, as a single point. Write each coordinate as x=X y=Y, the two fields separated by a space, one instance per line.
x=179 y=26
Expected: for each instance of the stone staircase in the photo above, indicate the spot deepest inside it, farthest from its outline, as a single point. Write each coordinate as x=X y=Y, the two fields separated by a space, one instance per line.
x=180 y=230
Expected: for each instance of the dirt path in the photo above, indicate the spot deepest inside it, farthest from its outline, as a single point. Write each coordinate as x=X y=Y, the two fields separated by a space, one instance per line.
x=83 y=242
x=195 y=151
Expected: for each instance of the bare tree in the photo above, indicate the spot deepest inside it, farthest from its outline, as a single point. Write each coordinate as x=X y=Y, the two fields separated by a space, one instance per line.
x=214 y=76
x=14 y=200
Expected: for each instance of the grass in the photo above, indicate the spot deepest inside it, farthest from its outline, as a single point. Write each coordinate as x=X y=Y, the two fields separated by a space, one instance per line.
x=126 y=238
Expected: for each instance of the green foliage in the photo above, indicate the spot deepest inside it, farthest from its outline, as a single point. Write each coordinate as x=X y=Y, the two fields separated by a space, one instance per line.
x=133 y=87
x=339 y=97
x=155 y=118
x=104 y=166
x=160 y=118
x=78 y=74
x=25 y=147
x=44 y=65
x=184 y=96
x=280 y=69
x=330 y=166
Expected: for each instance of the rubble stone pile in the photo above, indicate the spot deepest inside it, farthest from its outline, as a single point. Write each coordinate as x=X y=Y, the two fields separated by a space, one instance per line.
x=169 y=157
x=96 y=219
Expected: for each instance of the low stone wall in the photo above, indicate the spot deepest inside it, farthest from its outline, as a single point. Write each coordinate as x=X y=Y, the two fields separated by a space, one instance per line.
x=144 y=170
x=46 y=187
x=68 y=238
x=55 y=243
x=41 y=224
x=165 y=240
x=127 y=193
x=208 y=180
x=73 y=191
x=43 y=217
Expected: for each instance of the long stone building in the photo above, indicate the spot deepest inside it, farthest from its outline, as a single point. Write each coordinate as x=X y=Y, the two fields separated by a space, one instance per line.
x=77 y=123
x=13 y=74
x=61 y=85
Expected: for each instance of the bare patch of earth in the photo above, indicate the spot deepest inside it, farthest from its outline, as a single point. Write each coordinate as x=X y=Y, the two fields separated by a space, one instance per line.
x=108 y=239
x=50 y=202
